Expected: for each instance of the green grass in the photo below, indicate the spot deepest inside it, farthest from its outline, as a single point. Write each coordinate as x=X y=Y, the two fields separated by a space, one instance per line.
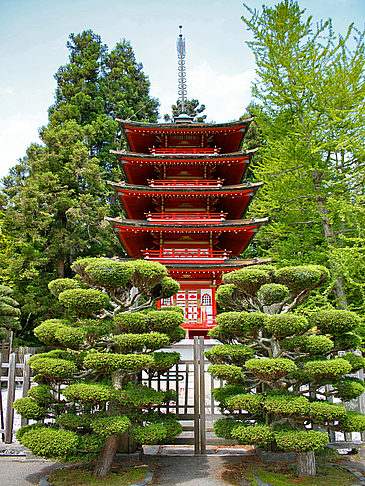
x=82 y=476
x=283 y=475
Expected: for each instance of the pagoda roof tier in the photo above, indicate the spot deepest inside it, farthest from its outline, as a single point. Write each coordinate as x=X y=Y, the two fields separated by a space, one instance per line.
x=138 y=168
x=138 y=200
x=140 y=137
x=137 y=235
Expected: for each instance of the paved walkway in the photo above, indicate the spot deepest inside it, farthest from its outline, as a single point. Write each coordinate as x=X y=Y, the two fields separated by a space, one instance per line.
x=174 y=467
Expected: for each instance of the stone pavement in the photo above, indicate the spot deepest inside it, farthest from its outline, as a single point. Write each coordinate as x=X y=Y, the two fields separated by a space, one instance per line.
x=174 y=466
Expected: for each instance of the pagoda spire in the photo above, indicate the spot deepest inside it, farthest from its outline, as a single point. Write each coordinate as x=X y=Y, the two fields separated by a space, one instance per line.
x=181 y=69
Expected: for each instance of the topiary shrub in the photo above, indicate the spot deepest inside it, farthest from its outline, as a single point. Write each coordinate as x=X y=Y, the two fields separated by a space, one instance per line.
x=287 y=405
x=301 y=441
x=129 y=343
x=352 y=422
x=272 y=293
x=110 y=425
x=318 y=345
x=30 y=409
x=85 y=301
x=322 y=370
x=90 y=393
x=357 y=362
x=46 y=332
x=163 y=361
x=164 y=321
x=270 y=369
x=284 y=325
x=61 y=284
x=223 y=427
x=72 y=421
x=172 y=308
x=230 y=373
x=249 y=279
x=168 y=287
x=54 y=368
x=141 y=396
x=229 y=353
x=336 y=321
x=260 y=435
x=324 y=412
x=349 y=388
x=135 y=323
x=71 y=337
x=41 y=394
x=49 y=443
x=250 y=403
x=223 y=393
x=110 y=274
x=301 y=277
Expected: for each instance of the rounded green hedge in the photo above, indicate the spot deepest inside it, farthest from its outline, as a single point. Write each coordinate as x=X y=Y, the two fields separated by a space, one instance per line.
x=287 y=405
x=54 y=368
x=301 y=440
x=165 y=321
x=163 y=361
x=357 y=362
x=61 y=284
x=168 y=287
x=327 y=369
x=273 y=293
x=336 y=321
x=73 y=421
x=133 y=323
x=318 y=345
x=85 y=301
x=42 y=394
x=47 y=442
x=269 y=369
x=129 y=343
x=93 y=393
x=110 y=274
x=246 y=401
x=352 y=422
x=226 y=322
x=260 y=435
x=322 y=412
x=284 y=325
x=46 y=331
x=70 y=337
x=29 y=408
x=141 y=396
x=301 y=277
x=223 y=427
x=250 y=279
x=229 y=353
x=223 y=393
x=349 y=388
x=107 y=426
x=108 y=362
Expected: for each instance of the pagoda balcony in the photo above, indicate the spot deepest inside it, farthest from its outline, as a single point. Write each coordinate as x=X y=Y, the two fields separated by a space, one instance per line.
x=183 y=217
x=185 y=151
x=211 y=183
x=193 y=255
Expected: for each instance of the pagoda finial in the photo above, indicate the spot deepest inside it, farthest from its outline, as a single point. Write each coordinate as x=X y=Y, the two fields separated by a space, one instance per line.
x=182 y=70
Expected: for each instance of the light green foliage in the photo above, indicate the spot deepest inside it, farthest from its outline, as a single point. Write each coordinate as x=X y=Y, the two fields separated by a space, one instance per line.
x=165 y=321
x=9 y=310
x=93 y=393
x=357 y=362
x=300 y=278
x=61 y=284
x=109 y=274
x=352 y=422
x=147 y=275
x=287 y=405
x=260 y=435
x=70 y=337
x=223 y=427
x=71 y=421
x=223 y=393
x=318 y=345
x=333 y=368
x=226 y=322
x=249 y=279
x=301 y=441
x=168 y=287
x=132 y=323
x=41 y=394
x=349 y=388
x=273 y=293
x=230 y=373
x=172 y=308
x=129 y=343
x=29 y=408
x=108 y=362
x=248 y=402
x=54 y=368
x=336 y=321
x=85 y=301
x=270 y=369
x=141 y=396
x=46 y=332
x=230 y=354
x=110 y=425
x=47 y=442
x=284 y=325
x=230 y=297
x=324 y=412
x=90 y=443
x=164 y=361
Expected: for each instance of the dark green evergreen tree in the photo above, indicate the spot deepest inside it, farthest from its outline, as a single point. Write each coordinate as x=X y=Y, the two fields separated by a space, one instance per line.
x=192 y=109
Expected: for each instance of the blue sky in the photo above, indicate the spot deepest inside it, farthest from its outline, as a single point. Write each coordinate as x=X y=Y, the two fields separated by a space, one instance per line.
x=220 y=67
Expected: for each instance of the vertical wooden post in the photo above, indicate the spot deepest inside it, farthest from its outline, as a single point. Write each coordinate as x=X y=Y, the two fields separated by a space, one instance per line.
x=26 y=384
x=2 y=421
x=9 y=418
x=196 y=396
x=203 y=443
x=187 y=371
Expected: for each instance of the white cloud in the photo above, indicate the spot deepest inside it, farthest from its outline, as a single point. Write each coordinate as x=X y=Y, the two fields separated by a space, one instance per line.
x=6 y=91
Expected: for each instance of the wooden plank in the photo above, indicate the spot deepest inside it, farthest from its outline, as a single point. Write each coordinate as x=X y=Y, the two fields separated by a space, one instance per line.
x=196 y=397
x=2 y=421
x=203 y=447
x=26 y=384
x=9 y=417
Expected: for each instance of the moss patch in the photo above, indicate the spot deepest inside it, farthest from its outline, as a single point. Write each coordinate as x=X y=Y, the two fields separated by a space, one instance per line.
x=284 y=475
x=82 y=476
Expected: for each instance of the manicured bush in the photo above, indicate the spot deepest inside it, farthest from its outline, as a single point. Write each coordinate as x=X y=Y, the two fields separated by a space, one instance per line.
x=250 y=403
x=147 y=274
x=352 y=422
x=284 y=325
x=269 y=369
x=93 y=393
x=110 y=425
x=349 y=388
x=229 y=353
x=41 y=394
x=301 y=440
x=163 y=361
x=357 y=362
x=46 y=332
x=164 y=321
x=47 y=442
x=231 y=373
x=273 y=293
x=224 y=330
x=140 y=396
x=223 y=393
x=321 y=370
x=149 y=434
x=90 y=443
x=54 y=368
x=322 y=412
x=168 y=287
x=110 y=274
x=70 y=337
x=134 y=323
x=85 y=301
x=287 y=405
x=228 y=296
x=260 y=435
x=73 y=421
x=29 y=408
x=249 y=324
x=336 y=321
x=301 y=277
x=61 y=284
x=129 y=343
x=223 y=427
x=249 y=279
x=172 y=308
x=347 y=340
x=318 y=345
x=108 y=362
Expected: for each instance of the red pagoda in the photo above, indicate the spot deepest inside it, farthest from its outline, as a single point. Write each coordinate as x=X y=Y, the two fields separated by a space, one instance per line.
x=184 y=202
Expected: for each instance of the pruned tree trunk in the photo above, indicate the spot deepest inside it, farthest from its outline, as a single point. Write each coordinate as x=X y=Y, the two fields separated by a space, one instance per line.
x=306 y=464
x=106 y=457
x=61 y=268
